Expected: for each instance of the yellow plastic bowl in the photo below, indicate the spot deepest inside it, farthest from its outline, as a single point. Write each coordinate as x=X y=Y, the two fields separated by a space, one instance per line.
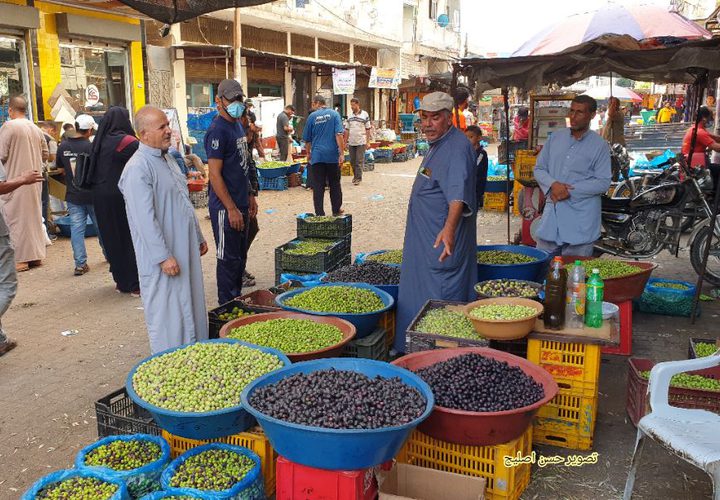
x=504 y=329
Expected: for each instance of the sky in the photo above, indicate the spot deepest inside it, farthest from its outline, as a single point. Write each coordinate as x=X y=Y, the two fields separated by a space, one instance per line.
x=502 y=26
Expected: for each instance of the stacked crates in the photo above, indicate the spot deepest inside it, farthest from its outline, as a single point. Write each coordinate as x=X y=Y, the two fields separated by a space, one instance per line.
x=569 y=419
x=337 y=232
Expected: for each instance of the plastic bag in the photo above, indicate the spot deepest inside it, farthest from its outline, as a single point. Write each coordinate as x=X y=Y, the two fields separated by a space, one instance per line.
x=668 y=301
x=62 y=475
x=252 y=486
x=141 y=481
x=305 y=280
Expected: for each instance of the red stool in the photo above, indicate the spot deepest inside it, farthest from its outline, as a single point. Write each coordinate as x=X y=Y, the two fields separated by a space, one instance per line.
x=298 y=482
x=625 y=347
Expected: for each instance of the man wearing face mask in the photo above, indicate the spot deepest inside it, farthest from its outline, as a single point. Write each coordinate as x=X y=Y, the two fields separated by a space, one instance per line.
x=231 y=200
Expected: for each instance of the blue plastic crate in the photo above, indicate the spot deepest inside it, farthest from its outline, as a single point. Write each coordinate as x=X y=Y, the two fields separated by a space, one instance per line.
x=273 y=184
x=272 y=173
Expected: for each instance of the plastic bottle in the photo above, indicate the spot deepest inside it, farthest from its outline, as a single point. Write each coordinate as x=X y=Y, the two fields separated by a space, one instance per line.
x=555 y=291
x=575 y=308
x=593 y=306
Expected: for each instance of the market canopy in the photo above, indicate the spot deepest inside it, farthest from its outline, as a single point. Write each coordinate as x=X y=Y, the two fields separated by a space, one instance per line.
x=641 y=22
x=175 y=11
x=622 y=55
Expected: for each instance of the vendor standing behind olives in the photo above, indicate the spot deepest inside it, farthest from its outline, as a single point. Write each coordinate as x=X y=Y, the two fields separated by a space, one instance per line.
x=440 y=237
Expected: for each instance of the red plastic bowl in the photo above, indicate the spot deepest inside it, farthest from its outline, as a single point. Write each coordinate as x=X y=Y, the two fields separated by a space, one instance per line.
x=623 y=288
x=474 y=428
x=335 y=351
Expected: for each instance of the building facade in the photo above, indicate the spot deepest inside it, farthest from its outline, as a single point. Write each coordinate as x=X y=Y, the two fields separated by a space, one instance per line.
x=66 y=56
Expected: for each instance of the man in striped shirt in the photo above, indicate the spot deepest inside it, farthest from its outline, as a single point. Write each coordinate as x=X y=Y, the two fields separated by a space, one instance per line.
x=357 y=136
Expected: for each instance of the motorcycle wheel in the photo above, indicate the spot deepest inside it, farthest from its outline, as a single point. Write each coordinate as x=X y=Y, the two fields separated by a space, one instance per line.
x=697 y=250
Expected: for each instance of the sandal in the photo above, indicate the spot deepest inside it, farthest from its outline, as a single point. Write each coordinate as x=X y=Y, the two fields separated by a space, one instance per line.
x=7 y=346
x=22 y=267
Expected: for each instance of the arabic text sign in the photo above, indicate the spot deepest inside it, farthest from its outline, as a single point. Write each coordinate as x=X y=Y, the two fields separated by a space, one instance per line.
x=381 y=78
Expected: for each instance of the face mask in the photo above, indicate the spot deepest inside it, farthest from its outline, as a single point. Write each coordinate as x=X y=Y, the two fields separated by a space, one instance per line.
x=235 y=109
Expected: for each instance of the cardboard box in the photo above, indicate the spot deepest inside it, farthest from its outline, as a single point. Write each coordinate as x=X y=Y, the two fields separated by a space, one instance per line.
x=409 y=482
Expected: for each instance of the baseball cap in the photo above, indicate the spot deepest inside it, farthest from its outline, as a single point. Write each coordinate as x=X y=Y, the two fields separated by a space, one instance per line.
x=437 y=101
x=230 y=90
x=86 y=122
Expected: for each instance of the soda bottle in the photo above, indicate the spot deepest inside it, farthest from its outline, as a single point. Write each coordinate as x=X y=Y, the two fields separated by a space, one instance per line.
x=555 y=291
x=593 y=306
x=575 y=308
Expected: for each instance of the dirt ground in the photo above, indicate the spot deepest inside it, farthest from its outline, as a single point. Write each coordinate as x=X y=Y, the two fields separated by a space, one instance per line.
x=49 y=384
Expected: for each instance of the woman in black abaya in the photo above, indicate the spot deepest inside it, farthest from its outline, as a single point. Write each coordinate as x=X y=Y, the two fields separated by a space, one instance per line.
x=114 y=144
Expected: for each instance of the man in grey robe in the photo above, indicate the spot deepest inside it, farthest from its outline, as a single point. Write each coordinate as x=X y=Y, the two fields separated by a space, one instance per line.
x=166 y=236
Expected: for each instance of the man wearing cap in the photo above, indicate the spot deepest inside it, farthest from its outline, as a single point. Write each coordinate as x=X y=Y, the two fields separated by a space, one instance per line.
x=323 y=136
x=79 y=202
x=231 y=199
x=439 y=253
x=284 y=130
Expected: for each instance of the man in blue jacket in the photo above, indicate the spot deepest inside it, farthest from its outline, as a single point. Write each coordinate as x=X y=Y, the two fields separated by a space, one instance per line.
x=323 y=136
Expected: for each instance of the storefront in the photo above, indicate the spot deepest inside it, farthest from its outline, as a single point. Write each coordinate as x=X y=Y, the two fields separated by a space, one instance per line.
x=95 y=57
x=15 y=21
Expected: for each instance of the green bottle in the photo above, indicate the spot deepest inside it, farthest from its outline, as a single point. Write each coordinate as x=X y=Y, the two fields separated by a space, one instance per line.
x=593 y=305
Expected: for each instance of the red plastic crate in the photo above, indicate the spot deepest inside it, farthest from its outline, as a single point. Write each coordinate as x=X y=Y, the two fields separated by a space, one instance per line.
x=637 y=397
x=625 y=347
x=298 y=482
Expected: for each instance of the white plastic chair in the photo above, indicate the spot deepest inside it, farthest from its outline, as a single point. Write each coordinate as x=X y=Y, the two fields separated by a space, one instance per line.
x=693 y=435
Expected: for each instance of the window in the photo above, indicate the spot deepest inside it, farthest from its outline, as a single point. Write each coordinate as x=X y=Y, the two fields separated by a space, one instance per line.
x=97 y=77
x=13 y=76
x=201 y=95
x=434 y=9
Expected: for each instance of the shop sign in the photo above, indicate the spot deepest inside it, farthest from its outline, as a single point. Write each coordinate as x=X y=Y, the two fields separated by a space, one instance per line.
x=381 y=78
x=92 y=96
x=343 y=81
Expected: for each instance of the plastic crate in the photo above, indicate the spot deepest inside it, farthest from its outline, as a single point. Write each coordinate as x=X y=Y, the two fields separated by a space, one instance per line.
x=299 y=482
x=336 y=229
x=384 y=159
x=480 y=461
x=709 y=372
x=215 y=323
x=387 y=322
x=625 y=347
x=570 y=363
x=279 y=271
x=273 y=184
x=515 y=347
x=524 y=167
x=317 y=263
x=116 y=414
x=417 y=341
x=254 y=439
x=637 y=398
x=568 y=421
x=495 y=202
x=374 y=346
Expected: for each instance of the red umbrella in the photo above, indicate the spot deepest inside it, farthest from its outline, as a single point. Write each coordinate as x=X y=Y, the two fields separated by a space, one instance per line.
x=638 y=21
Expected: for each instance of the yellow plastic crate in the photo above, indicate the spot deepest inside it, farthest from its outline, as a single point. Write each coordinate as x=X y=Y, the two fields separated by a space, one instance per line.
x=503 y=483
x=567 y=421
x=495 y=202
x=254 y=439
x=517 y=187
x=524 y=166
x=387 y=321
x=572 y=364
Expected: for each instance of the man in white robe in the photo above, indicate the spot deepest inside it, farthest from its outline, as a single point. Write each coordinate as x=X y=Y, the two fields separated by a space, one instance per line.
x=166 y=236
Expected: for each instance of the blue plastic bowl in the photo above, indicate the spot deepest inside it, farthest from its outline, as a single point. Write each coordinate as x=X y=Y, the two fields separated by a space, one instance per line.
x=337 y=449
x=200 y=425
x=532 y=271
x=361 y=258
x=393 y=290
x=364 y=323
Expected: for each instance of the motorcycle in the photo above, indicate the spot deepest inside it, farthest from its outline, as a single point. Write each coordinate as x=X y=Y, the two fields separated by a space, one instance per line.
x=643 y=226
